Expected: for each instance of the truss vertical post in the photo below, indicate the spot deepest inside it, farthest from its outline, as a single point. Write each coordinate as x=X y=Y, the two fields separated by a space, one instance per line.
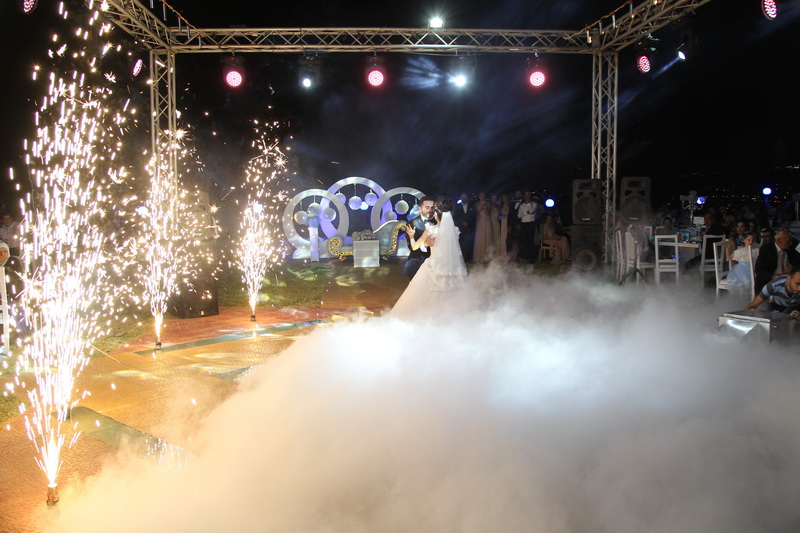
x=163 y=118
x=605 y=84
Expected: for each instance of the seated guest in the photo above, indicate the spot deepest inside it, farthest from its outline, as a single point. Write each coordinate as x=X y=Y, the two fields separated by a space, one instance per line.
x=776 y=259
x=782 y=293
x=736 y=237
x=739 y=275
x=766 y=236
x=667 y=227
x=551 y=238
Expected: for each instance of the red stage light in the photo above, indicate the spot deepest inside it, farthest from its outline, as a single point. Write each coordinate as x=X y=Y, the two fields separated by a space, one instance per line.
x=770 y=9
x=643 y=63
x=233 y=78
x=537 y=78
x=375 y=71
x=375 y=77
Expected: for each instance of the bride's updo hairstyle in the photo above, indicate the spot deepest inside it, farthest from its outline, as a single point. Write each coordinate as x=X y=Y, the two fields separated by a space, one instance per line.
x=444 y=204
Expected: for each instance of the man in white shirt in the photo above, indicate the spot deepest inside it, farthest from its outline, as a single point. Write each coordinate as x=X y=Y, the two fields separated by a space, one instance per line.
x=9 y=234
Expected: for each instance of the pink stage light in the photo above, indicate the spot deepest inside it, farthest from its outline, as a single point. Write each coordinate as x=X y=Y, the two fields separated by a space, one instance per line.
x=537 y=78
x=233 y=78
x=643 y=64
x=770 y=9
x=376 y=77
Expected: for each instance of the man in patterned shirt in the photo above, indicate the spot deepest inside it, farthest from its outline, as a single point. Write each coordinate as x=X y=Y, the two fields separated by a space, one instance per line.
x=783 y=294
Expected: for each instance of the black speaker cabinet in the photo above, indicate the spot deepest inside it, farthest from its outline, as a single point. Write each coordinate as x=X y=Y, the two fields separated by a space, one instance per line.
x=587 y=202
x=587 y=247
x=634 y=200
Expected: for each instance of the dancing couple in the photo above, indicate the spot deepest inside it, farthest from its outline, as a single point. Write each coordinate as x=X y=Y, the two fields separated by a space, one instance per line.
x=440 y=273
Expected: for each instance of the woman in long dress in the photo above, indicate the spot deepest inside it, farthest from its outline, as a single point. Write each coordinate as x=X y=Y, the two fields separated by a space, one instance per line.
x=483 y=230
x=443 y=272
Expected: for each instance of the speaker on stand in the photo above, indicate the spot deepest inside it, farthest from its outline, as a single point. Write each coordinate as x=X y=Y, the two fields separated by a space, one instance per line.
x=587 y=218
x=634 y=200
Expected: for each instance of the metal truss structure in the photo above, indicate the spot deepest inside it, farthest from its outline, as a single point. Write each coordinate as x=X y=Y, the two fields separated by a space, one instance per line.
x=603 y=39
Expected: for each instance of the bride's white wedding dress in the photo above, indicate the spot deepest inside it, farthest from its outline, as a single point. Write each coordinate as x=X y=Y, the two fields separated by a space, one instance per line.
x=442 y=272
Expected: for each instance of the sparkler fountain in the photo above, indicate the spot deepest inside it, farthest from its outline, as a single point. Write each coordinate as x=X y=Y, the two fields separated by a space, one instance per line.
x=259 y=247
x=66 y=302
x=169 y=230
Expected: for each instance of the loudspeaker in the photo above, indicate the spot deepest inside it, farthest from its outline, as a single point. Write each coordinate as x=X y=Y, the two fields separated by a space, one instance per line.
x=587 y=247
x=634 y=200
x=587 y=202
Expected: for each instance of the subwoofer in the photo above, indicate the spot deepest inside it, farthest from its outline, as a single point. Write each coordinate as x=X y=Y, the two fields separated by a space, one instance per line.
x=587 y=202
x=587 y=247
x=634 y=200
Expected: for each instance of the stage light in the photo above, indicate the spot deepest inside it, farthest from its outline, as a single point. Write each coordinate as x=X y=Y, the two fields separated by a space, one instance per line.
x=308 y=74
x=534 y=72
x=138 y=65
x=770 y=9
x=375 y=71
x=233 y=68
x=436 y=23
x=27 y=6
x=645 y=52
x=549 y=203
x=766 y=191
x=462 y=68
x=643 y=63
x=701 y=200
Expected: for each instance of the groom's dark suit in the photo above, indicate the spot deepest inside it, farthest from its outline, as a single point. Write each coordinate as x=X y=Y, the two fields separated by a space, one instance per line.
x=416 y=257
x=767 y=263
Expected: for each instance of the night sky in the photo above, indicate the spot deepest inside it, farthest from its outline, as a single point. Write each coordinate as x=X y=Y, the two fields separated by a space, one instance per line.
x=725 y=117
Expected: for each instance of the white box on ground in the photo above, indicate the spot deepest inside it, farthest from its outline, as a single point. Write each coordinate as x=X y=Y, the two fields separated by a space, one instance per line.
x=365 y=253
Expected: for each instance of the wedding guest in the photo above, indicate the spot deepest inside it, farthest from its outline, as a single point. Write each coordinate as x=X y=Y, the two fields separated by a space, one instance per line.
x=514 y=226
x=782 y=293
x=739 y=275
x=527 y=234
x=502 y=241
x=482 y=247
x=776 y=259
x=9 y=234
x=494 y=217
x=559 y=242
x=464 y=219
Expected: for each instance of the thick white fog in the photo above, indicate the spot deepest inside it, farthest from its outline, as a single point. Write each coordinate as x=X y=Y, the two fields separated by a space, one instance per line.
x=527 y=404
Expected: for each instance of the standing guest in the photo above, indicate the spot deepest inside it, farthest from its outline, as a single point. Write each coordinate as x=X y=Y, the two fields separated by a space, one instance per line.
x=482 y=248
x=559 y=242
x=502 y=241
x=415 y=228
x=766 y=236
x=776 y=259
x=782 y=293
x=464 y=219
x=527 y=235
x=9 y=234
x=514 y=226
x=494 y=217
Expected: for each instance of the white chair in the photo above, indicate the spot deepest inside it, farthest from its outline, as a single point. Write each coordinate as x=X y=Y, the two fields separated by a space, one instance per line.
x=667 y=257
x=707 y=264
x=720 y=273
x=634 y=265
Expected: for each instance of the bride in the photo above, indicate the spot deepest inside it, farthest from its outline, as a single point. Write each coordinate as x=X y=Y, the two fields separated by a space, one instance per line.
x=442 y=272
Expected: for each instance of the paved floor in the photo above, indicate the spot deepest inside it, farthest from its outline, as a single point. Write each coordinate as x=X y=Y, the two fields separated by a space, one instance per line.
x=131 y=390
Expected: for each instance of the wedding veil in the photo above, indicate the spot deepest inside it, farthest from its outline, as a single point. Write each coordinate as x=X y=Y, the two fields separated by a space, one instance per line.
x=448 y=270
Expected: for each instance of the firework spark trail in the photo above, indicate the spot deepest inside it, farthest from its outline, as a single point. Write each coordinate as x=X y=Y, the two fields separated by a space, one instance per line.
x=170 y=235
x=258 y=245
x=67 y=300
x=66 y=303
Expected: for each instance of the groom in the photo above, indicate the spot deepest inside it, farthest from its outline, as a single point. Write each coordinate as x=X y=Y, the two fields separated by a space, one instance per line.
x=415 y=228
